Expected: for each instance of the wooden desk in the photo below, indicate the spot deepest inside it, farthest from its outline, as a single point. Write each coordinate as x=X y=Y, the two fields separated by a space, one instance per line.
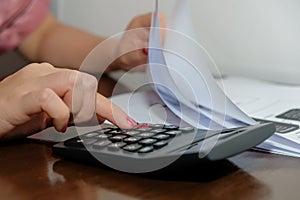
x=30 y=171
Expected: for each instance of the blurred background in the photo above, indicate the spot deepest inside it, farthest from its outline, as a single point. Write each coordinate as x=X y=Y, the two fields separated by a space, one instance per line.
x=255 y=38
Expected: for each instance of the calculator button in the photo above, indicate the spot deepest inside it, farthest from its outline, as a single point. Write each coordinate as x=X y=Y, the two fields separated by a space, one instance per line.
x=132 y=147
x=146 y=134
x=156 y=126
x=187 y=129
x=117 y=138
x=147 y=149
x=104 y=130
x=161 y=137
x=160 y=144
x=116 y=146
x=102 y=144
x=147 y=142
x=90 y=135
x=144 y=129
x=173 y=133
x=132 y=133
x=116 y=132
x=132 y=139
x=103 y=136
x=161 y=130
x=171 y=127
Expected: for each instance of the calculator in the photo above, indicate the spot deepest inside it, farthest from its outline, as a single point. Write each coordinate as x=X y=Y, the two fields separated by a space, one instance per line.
x=151 y=147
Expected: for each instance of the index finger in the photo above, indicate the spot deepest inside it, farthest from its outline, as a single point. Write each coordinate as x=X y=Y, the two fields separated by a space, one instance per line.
x=106 y=109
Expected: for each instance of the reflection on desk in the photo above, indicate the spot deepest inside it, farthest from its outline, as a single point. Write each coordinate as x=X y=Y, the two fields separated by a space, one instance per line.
x=29 y=170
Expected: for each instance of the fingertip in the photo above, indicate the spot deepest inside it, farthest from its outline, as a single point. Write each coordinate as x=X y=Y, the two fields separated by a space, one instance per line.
x=131 y=121
x=123 y=121
x=64 y=129
x=60 y=127
x=108 y=110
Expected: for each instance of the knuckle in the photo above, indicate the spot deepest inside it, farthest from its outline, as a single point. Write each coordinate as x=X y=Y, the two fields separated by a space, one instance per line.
x=33 y=68
x=45 y=95
x=46 y=65
x=90 y=82
x=77 y=78
x=85 y=116
x=73 y=77
x=29 y=68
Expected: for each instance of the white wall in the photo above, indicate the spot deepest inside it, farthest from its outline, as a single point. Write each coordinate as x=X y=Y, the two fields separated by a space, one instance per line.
x=252 y=37
x=105 y=17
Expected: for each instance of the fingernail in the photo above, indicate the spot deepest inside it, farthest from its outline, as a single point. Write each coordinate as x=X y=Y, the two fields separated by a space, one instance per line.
x=145 y=51
x=131 y=121
x=64 y=129
x=144 y=125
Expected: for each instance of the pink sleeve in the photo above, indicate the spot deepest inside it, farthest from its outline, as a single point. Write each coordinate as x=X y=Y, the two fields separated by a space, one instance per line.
x=18 y=18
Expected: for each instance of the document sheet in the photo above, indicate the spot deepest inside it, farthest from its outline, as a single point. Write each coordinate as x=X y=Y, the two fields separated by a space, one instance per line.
x=179 y=69
x=270 y=102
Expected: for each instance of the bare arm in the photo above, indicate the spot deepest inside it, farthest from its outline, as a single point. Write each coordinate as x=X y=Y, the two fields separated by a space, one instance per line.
x=65 y=46
x=59 y=44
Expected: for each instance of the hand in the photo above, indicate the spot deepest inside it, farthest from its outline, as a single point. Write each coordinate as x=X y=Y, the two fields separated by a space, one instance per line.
x=133 y=47
x=40 y=95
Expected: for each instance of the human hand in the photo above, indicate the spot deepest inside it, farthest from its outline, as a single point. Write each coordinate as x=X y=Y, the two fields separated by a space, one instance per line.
x=40 y=95
x=133 y=47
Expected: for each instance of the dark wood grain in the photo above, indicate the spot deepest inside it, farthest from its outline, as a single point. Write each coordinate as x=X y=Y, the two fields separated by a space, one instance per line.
x=29 y=170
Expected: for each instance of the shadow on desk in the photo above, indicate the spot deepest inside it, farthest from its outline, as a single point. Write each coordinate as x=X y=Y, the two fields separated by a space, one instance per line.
x=29 y=170
x=198 y=172
x=218 y=180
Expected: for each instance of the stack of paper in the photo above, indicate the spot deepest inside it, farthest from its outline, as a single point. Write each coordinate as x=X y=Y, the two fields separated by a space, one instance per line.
x=181 y=76
x=187 y=93
x=272 y=102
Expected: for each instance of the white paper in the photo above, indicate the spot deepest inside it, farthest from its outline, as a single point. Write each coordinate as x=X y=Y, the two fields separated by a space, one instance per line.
x=266 y=100
x=51 y=135
x=180 y=73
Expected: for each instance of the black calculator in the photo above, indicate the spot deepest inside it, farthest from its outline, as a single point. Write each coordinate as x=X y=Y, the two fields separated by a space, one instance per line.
x=151 y=147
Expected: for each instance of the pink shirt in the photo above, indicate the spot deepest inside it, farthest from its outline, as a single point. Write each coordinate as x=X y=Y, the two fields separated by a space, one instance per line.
x=18 y=18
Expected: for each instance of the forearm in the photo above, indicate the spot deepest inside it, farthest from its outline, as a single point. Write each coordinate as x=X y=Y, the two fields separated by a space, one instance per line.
x=64 y=46
x=67 y=47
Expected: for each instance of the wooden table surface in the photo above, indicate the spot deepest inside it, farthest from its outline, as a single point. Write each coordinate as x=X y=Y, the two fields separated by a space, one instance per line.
x=29 y=170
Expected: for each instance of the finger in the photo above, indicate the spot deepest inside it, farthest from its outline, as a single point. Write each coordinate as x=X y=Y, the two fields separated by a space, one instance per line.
x=73 y=98
x=107 y=110
x=64 y=82
x=140 y=21
x=46 y=100
x=35 y=69
x=37 y=123
x=145 y=21
x=162 y=20
x=78 y=91
x=100 y=119
x=87 y=110
x=61 y=81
